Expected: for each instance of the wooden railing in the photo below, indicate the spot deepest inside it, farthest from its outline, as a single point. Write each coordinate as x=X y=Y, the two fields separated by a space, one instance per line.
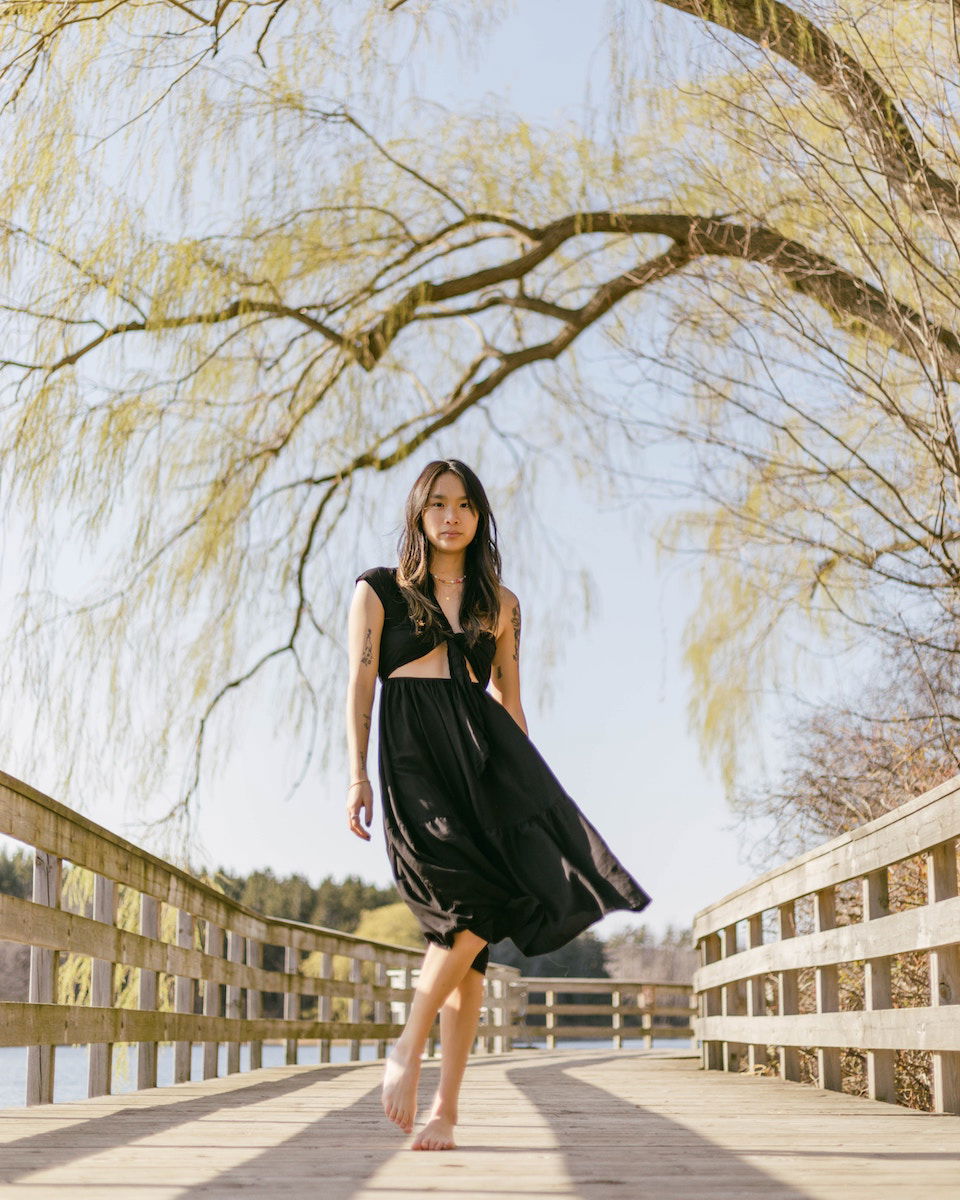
x=750 y=984
x=154 y=932
x=614 y=1010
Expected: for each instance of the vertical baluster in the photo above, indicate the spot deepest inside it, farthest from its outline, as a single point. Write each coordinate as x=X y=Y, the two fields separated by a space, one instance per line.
x=291 y=1000
x=881 y=1081
x=788 y=992
x=185 y=990
x=616 y=1019
x=499 y=999
x=756 y=1054
x=827 y=985
x=147 y=992
x=325 y=1004
x=356 y=976
x=234 y=1011
x=551 y=998
x=944 y=976
x=100 y=1055
x=710 y=1003
x=255 y=1002
x=732 y=1000
x=380 y=1008
x=212 y=1003
x=44 y=967
x=647 y=1000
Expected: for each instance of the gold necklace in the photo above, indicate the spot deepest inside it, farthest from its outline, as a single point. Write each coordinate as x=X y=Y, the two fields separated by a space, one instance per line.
x=459 y=579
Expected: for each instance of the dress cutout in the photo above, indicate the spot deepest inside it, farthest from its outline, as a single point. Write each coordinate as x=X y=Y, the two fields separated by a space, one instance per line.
x=480 y=834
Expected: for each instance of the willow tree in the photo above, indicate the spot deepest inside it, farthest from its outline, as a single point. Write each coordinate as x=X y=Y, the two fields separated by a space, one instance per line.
x=247 y=276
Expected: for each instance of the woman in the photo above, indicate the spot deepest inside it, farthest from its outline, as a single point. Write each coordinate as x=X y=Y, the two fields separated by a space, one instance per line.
x=483 y=841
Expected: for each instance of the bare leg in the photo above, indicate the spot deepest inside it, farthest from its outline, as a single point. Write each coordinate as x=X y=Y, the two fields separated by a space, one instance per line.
x=458 y=1027
x=442 y=970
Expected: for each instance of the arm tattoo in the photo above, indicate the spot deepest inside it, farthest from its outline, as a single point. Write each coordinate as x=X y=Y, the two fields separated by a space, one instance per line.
x=499 y=672
x=365 y=717
x=515 y=622
x=367 y=657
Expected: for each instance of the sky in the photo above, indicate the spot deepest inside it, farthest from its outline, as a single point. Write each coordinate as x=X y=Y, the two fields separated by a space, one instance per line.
x=614 y=726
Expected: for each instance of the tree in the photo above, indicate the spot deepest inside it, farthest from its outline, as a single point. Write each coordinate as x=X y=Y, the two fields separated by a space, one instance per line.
x=775 y=253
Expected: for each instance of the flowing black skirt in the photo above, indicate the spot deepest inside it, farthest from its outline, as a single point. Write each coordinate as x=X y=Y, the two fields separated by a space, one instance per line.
x=479 y=832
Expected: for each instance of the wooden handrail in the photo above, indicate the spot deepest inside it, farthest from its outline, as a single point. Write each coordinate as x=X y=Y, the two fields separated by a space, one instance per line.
x=739 y=963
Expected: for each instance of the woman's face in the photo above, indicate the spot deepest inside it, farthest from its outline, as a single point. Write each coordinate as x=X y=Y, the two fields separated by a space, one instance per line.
x=449 y=519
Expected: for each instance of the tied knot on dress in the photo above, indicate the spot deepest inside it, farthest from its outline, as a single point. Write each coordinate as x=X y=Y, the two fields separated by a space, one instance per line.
x=471 y=711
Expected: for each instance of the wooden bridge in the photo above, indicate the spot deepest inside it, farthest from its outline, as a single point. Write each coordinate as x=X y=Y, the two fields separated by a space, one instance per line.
x=128 y=950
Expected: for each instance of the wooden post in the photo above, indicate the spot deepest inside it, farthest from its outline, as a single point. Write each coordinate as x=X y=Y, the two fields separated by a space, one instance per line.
x=185 y=990
x=234 y=1011
x=356 y=976
x=212 y=1005
x=944 y=976
x=325 y=1004
x=550 y=998
x=147 y=992
x=291 y=1000
x=255 y=1002
x=100 y=1054
x=732 y=1000
x=881 y=1081
x=647 y=1000
x=710 y=1003
x=381 y=1008
x=788 y=992
x=827 y=991
x=616 y=1020
x=756 y=1007
x=44 y=966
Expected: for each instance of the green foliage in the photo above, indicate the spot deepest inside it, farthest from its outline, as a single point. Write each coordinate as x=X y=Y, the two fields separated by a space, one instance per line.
x=332 y=904
x=392 y=923
x=16 y=873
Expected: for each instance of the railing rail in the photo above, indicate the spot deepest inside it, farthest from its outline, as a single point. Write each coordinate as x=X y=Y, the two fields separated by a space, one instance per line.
x=741 y=1015
x=213 y=953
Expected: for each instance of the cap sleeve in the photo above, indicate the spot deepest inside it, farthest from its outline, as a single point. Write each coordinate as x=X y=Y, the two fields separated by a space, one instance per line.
x=382 y=581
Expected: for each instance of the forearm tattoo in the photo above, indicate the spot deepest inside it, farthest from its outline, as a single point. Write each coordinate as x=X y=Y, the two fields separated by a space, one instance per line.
x=515 y=622
x=367 y=657
x=365 y=718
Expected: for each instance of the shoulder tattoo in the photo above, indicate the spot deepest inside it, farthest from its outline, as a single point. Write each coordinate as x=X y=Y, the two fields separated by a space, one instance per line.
x=367 y=656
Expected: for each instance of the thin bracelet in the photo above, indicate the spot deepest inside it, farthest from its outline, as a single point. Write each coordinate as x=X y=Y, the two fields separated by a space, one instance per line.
x=358 y=781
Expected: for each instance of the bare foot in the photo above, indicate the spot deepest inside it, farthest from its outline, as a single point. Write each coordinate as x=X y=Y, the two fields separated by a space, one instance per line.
x=400 y=1078
x=437 y=1134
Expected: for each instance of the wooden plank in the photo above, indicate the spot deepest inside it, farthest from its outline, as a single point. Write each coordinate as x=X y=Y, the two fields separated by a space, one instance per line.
x=881 y=1080
x=291 y=1000
x=756 y=1001
x=26 y=921
x=944 y=976
x=601 y=1033
x=325 y=1004
x=912 y=828
x=921 y=928
x=147 y=993
x=922 y=1028
x=185 y=989
x=235 y=944
x=788 y=993
x=827 y=990
x=24 y=1024
x=356 y=967
x=254 y=955
x=212 y=1003
x=44 y=965
x=100 y=1054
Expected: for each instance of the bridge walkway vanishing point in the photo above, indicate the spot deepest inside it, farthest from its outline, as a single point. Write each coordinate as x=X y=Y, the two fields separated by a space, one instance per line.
x=595 y=1124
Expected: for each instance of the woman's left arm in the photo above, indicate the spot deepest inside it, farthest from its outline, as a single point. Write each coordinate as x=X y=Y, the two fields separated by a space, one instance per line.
x=505 y=669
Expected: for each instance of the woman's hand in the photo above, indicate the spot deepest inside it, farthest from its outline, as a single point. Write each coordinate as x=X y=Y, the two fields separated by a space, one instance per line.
x=360 y=800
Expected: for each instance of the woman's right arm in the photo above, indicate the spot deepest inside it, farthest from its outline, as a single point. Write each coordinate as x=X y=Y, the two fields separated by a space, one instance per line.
x=364 y=627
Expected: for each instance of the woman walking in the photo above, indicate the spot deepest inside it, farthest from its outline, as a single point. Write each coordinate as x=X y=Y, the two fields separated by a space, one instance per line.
x=483 y=841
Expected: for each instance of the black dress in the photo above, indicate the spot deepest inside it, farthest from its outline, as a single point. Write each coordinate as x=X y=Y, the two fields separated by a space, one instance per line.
x=479 y=832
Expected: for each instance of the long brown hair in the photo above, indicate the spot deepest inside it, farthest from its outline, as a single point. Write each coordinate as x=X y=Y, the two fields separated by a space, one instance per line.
x=480 y=603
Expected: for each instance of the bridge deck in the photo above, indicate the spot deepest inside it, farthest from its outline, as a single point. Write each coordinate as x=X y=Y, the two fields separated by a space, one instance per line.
x=596 y=1124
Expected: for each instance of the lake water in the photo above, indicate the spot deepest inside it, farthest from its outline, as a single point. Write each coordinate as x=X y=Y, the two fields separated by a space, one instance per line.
x=70 y=1072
